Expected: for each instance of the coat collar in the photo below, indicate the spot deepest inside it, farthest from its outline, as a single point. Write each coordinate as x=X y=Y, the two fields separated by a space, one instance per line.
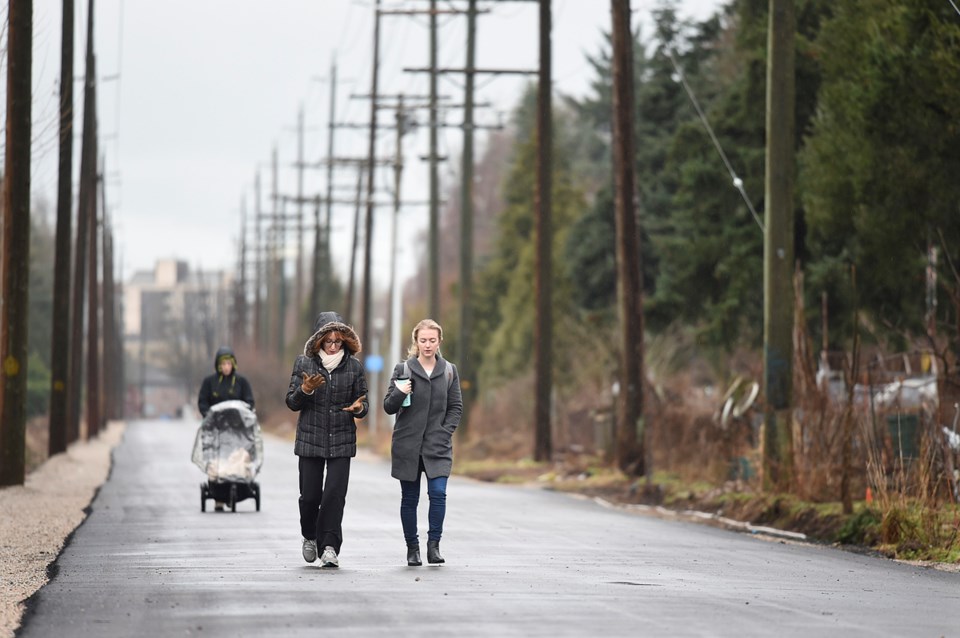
x=417 y=368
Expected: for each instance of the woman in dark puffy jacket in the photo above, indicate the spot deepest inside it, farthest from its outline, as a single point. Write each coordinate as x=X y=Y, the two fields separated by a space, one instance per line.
x=329 y=390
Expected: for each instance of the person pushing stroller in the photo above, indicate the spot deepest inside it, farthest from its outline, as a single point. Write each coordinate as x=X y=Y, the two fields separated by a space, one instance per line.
x=225 y=384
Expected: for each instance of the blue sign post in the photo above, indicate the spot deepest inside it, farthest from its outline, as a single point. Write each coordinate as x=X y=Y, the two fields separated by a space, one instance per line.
x=373 y=363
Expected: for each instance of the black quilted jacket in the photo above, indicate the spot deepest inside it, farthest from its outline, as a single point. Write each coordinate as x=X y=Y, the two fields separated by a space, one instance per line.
x=323 y=428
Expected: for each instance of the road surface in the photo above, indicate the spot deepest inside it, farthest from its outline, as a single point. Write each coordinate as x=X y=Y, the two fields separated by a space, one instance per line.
x=520 y=562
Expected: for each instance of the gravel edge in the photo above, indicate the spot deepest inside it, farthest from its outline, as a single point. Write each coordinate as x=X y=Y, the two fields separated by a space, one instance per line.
x=39 y=516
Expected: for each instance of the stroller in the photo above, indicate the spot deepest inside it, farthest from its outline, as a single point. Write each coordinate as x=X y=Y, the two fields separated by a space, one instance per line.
x=229 y=450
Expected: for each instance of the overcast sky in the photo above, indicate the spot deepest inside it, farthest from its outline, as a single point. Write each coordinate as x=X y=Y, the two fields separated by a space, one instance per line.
x=194 y=95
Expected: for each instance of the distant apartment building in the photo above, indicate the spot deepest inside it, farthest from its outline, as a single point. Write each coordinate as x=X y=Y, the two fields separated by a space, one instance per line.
x=174 y=321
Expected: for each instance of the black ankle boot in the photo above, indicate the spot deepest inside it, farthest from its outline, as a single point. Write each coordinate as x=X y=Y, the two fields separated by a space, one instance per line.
x=433 y=552
x=413 y=556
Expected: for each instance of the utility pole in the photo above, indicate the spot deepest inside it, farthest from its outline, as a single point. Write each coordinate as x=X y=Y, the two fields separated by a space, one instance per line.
x=93 y=313
x=112 y=346
x=365 y=319
x=298 y=294
x=60 y=339
x=433 y=232
x=466 y=223
x=395 y=289
x=630 y=421
x=321 y=267
x=238 y=323
x=351 y=279
x=15 y=256
x=276 y=297
x=469 y=127
x=433 y=276
x=258 y=332
x=543 y=229
x=402 y=109
x=331 y=132
x=85 y=199
x=360 y=164
x=778 y=250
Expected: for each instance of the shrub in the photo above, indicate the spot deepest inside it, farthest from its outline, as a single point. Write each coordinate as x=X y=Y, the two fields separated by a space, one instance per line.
x=863 y=528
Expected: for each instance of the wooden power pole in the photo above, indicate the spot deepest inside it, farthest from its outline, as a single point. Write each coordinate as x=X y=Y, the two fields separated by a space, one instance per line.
x=543 y=229
x=15 y=254
x=465 y=362
x=365 y=319
x=85 y=199
x=112 y=340
x=259 y=325
x=778 y=250
x=94 y=397
x=630 y=423
x=433 y=233
x=60 y=339
x=298 y=291
x=325 y=291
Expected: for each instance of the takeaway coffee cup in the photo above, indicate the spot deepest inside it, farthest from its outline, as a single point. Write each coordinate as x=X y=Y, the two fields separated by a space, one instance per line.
x=406 y=399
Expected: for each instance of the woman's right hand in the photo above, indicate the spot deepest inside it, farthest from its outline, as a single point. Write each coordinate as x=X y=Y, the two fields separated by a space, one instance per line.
x=404 y=385
x=312 y=382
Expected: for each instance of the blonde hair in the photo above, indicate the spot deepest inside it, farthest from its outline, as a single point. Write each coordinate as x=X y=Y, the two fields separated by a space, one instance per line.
x=425 y=324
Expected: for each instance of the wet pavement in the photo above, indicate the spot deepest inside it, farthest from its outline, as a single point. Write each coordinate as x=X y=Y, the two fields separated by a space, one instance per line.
x=520 y=562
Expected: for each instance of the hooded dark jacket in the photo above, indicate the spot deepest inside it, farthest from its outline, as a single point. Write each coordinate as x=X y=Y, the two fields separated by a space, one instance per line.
x=217 y=387
x=324 y=429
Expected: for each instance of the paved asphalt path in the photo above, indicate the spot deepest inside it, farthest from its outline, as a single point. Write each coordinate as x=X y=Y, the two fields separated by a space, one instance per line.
x=520 y=562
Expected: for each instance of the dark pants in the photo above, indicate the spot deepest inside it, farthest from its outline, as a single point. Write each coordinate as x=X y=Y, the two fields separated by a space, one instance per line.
x=321 y=505
x=410 y=498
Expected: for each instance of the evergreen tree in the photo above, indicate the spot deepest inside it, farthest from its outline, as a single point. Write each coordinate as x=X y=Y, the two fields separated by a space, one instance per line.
x=504 y=290
x=661 y=106
x=710 y=244
x=879 y=168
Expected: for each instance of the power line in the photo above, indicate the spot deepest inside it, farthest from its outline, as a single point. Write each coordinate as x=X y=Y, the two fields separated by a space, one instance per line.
x=737 y=182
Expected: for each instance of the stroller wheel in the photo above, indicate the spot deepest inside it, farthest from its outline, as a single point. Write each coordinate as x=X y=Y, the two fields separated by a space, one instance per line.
x=233 y=498
x=203 y=498
x=256 y=494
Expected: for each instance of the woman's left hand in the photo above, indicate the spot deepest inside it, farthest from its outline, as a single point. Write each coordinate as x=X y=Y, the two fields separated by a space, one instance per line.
x=356 y=407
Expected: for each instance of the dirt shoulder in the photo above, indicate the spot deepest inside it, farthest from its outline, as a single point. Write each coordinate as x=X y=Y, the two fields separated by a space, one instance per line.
x=40 y=515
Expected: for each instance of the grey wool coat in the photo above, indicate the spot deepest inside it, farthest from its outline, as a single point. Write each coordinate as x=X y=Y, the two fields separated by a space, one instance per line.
x=323 y=428
x=425 y=428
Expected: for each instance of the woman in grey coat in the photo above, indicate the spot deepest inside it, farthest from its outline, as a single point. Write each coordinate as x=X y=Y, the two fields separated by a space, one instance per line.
x=329 y=390
x=423 y=433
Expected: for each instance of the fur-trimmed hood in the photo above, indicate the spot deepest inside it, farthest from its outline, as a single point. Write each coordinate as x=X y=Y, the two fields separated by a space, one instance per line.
x=351 y=342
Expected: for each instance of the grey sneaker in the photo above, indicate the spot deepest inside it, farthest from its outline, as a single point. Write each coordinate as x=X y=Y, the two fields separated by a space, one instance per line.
x=329 y=558
x=309 y=550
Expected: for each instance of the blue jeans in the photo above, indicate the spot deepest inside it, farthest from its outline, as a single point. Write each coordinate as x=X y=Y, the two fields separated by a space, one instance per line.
x=410 y=498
